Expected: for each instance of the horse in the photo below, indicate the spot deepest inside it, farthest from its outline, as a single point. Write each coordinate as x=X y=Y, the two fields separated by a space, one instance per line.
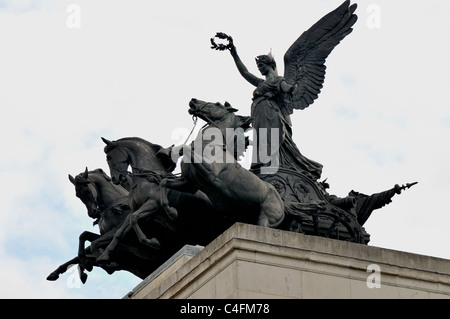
x=107 y=203
x=147 y=171
x=210 y=165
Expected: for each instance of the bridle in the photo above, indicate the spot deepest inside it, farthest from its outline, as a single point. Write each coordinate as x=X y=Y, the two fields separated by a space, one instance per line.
x=124 y=172
x=150 y=175
x=102 y=208
x=208 y=120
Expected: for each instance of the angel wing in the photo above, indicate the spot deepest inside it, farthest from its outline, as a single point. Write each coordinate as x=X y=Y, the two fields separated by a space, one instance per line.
x=304 y=61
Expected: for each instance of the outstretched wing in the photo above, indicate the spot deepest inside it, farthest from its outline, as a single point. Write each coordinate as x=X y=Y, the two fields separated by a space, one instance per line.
x=305 y=60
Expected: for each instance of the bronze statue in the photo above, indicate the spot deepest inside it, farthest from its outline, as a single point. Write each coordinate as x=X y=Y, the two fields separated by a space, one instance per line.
x=233 y=190
x=281 y=190
x=275 y=97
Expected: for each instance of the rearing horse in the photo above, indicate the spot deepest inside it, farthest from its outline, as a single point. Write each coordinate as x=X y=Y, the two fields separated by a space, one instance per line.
x=105 y=202
x=210 y=165
x=147 y=171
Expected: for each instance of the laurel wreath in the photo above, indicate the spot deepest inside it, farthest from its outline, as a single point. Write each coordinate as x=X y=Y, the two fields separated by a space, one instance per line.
x=220 y=46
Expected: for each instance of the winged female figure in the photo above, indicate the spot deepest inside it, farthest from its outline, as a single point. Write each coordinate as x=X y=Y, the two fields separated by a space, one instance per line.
x=276 y=97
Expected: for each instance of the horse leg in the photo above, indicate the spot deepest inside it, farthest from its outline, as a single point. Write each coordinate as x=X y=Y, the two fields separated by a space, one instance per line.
x=96 y=248
x=180 y=184
x=98 y=244
x=147 y=209
x=81 y=273
x=118 y=235
x=271 y=209
x=86 y=236
x=64 y=267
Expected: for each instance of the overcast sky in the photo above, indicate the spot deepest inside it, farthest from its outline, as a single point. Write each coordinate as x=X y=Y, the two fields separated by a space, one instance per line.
x=74 y=71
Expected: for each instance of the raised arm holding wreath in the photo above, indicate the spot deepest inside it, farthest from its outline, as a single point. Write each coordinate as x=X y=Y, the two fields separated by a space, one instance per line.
x=276 y=97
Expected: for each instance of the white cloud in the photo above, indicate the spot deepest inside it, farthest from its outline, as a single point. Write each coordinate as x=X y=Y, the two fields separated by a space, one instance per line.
x=23 y=6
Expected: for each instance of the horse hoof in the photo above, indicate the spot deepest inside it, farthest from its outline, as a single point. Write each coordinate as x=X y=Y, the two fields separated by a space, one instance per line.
x=52 y=277
x=83 y=278
x=172 y=213
x=153 y=243
x=111 y=268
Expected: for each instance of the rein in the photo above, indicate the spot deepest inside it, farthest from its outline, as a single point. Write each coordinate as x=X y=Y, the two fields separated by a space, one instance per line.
x=151 y=176
x=210 y=122
x=102 y=208
x=195 y=119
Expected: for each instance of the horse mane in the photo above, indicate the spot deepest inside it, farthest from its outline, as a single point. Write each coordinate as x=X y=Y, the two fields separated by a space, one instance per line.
x=102 y=173
x=167 y=163
x=243 y=122
x=80 y=178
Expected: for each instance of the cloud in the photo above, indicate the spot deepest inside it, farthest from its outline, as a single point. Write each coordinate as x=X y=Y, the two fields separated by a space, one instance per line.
x=344 y=112
x=446 y=122
x=24 y=6
x=383 y=156
x=26 y=279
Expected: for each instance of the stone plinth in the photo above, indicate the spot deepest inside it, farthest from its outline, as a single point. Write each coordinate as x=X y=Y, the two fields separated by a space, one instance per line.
x=249 y=261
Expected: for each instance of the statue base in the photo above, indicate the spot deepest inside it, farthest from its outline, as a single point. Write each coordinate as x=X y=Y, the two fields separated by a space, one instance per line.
x=249 y=261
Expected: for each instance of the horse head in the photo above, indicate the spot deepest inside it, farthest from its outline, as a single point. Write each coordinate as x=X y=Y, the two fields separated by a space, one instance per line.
x=209 y=111
x=216 y=112
x=136 y=153
x=87 y=192
x=118 y=162
x=223 y=117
